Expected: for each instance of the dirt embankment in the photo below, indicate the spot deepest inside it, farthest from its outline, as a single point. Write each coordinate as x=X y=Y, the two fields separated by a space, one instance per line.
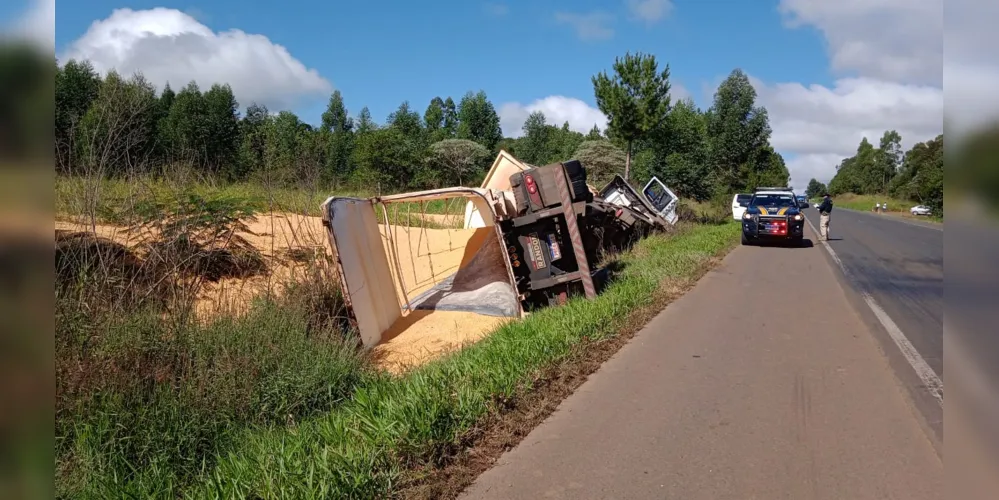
x=289 y=243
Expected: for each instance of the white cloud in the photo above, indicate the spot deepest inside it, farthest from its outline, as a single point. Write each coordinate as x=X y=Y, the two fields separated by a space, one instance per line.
x=560 y=109
x=496 y=9
x=896 y=40
x=168 y=45
x=557 y=109
x=678 y=92
x=649 y=11
x=890 y=53
x=591 y=26
x=37 y=24
x=820 y=125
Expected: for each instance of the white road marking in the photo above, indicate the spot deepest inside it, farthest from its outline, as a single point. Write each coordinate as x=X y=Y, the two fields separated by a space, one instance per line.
x=926 y=374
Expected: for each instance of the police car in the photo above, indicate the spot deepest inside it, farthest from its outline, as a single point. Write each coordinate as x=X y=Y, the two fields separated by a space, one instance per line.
x=773 y=214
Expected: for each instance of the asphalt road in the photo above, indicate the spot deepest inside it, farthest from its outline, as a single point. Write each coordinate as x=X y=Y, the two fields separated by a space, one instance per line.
x=900 y=263
x=763 y=382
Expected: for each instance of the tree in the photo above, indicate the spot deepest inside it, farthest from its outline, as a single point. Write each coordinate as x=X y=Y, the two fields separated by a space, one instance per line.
x=184 y=126
x=76 y=88
x=221 y=130
x=814 y=189
x=433 y=119
x=338 y=129
x=636 y=100
x=533 y=147
x=478 y=121
x=253 y=138
x=677 y=153
x=284 y=134
x=737 y=131
x=594 y=134
x=457 y=160
x=117 y=132
x=767 y=168
x=888 y=160
x=386 y=159
x=364 y=122
x=406 y=121
x=602 y=160
x=450 y=122
x=921 y=175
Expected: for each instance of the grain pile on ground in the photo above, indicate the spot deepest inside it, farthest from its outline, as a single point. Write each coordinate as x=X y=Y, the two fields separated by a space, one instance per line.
x=288 y=244
x=450 y=278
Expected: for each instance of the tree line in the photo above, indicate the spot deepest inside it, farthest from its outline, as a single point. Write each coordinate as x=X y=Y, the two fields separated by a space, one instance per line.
x=112 y=125
x=916 y=174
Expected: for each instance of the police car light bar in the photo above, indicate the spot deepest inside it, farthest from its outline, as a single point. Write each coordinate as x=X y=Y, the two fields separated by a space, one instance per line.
x=785 y=188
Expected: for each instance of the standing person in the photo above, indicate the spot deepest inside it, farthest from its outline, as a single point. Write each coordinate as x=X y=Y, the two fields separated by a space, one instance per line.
x=824 y=209
x=877 y=207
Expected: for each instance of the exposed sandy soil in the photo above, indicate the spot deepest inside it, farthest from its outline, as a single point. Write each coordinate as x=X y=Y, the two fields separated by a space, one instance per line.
x=287 y=241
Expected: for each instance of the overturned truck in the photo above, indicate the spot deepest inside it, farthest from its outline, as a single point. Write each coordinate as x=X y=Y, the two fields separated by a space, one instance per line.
x=529 y=237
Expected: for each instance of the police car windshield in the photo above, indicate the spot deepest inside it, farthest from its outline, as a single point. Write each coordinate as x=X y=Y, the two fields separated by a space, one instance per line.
x=772 y=200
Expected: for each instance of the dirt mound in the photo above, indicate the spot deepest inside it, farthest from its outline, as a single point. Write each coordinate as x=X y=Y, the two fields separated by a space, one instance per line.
x=196 y=260
x=79 y=254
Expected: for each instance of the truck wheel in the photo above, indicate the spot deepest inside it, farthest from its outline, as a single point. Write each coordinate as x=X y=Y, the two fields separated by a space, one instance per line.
x=745 y=241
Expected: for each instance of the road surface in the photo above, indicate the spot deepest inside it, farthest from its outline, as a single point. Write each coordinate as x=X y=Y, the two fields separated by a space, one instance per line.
x=900 y=263
x=762 y=382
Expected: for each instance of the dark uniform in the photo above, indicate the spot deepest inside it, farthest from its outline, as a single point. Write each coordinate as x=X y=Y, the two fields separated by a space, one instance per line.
x=825 y=208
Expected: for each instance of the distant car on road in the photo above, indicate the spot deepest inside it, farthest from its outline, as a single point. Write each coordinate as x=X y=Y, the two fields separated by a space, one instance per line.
x=773 y=214
x=739 y=203
x=920 y=210
x=802 y=202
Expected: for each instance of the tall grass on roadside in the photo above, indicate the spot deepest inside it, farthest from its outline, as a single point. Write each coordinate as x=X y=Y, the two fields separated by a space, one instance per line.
x=867 y=203
x=361 y=449
x=144 y=396
x=112 y=201
x=148 y=394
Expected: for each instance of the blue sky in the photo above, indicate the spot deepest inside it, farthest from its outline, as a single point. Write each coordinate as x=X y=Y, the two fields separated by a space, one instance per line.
x=379 y=54
x=829 y=73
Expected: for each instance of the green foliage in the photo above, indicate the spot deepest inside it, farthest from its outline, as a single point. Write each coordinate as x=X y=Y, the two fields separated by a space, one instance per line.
x=636 y=99
x=677 y=153
x=364 y=121
x=143 y=405
x=594 y=134
x=477 y=120
x=337 y=138
x=76 y=88
x=456 y=161
x=118 y=131
x=602 y=160
x=814 y=189
x=739 y=132
x=915 y=175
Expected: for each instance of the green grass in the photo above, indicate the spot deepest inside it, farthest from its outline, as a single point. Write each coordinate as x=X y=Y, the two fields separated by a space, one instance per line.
x=361 y=449
x=117 y=199
x=141 y=396
x=866 y=203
